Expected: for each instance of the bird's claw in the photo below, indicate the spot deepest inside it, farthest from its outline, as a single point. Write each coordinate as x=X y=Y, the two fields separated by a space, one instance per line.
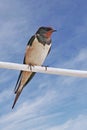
x=30 y=67
x=45 y=67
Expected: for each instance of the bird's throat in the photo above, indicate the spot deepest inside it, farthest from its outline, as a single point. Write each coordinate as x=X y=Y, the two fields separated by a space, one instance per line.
x=48 y=34
x=44 y=40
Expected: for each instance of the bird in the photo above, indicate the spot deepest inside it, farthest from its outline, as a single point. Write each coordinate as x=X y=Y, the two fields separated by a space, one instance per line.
x=37 y=49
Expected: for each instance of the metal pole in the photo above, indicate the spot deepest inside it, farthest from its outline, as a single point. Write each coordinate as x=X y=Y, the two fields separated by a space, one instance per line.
x=42 y=69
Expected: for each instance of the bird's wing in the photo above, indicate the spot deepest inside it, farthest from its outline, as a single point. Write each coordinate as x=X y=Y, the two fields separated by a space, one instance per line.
x=24 y=62
x=24 y=76
x=17 y=83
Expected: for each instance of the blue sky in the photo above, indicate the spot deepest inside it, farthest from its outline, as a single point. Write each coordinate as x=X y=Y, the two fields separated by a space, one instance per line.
x=48 y=102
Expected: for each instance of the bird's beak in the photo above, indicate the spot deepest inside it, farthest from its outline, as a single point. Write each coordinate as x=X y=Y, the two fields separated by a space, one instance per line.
x=54 y=30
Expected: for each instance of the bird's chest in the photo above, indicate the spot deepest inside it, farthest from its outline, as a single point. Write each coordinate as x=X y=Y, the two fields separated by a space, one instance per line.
x=37 y=53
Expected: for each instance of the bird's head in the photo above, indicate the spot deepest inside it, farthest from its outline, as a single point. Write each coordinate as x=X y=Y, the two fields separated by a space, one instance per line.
x=45 y=31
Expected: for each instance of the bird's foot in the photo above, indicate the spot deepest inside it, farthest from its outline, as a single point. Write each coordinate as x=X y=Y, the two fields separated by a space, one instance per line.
x=45 y=67
x=30 y=67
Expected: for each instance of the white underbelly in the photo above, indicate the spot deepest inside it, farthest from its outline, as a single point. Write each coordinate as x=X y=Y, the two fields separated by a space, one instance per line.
x=37 y=53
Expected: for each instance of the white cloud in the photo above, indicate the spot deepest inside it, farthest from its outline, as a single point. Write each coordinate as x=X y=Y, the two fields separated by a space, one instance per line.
x=79 y=123
x=28 y=111
x=35 y=110
x=79 y=61
x=5 y=95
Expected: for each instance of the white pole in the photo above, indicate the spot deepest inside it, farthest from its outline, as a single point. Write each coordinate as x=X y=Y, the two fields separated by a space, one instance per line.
x=40 y=69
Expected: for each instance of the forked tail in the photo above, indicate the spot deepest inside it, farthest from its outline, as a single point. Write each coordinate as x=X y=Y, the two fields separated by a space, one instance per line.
x=16 y=98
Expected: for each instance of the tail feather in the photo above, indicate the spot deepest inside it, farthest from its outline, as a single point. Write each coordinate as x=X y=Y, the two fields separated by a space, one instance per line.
x=23 y=79
x=16 y=98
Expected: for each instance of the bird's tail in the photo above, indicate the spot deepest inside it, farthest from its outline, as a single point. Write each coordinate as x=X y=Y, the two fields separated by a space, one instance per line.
x=17 y=96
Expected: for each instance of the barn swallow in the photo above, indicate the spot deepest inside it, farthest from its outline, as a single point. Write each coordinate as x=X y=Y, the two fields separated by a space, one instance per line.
x=37 y=50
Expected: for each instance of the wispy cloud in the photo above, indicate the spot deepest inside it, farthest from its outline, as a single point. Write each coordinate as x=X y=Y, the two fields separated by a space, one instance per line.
x=50 y=100
x=29 y=112
x=40 y=105
x=79 y=123
x=80 y=58
x=5 y=95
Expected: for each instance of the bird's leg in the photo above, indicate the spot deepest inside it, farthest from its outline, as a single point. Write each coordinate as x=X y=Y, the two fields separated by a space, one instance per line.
x=45 y=67
x=30 y=66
